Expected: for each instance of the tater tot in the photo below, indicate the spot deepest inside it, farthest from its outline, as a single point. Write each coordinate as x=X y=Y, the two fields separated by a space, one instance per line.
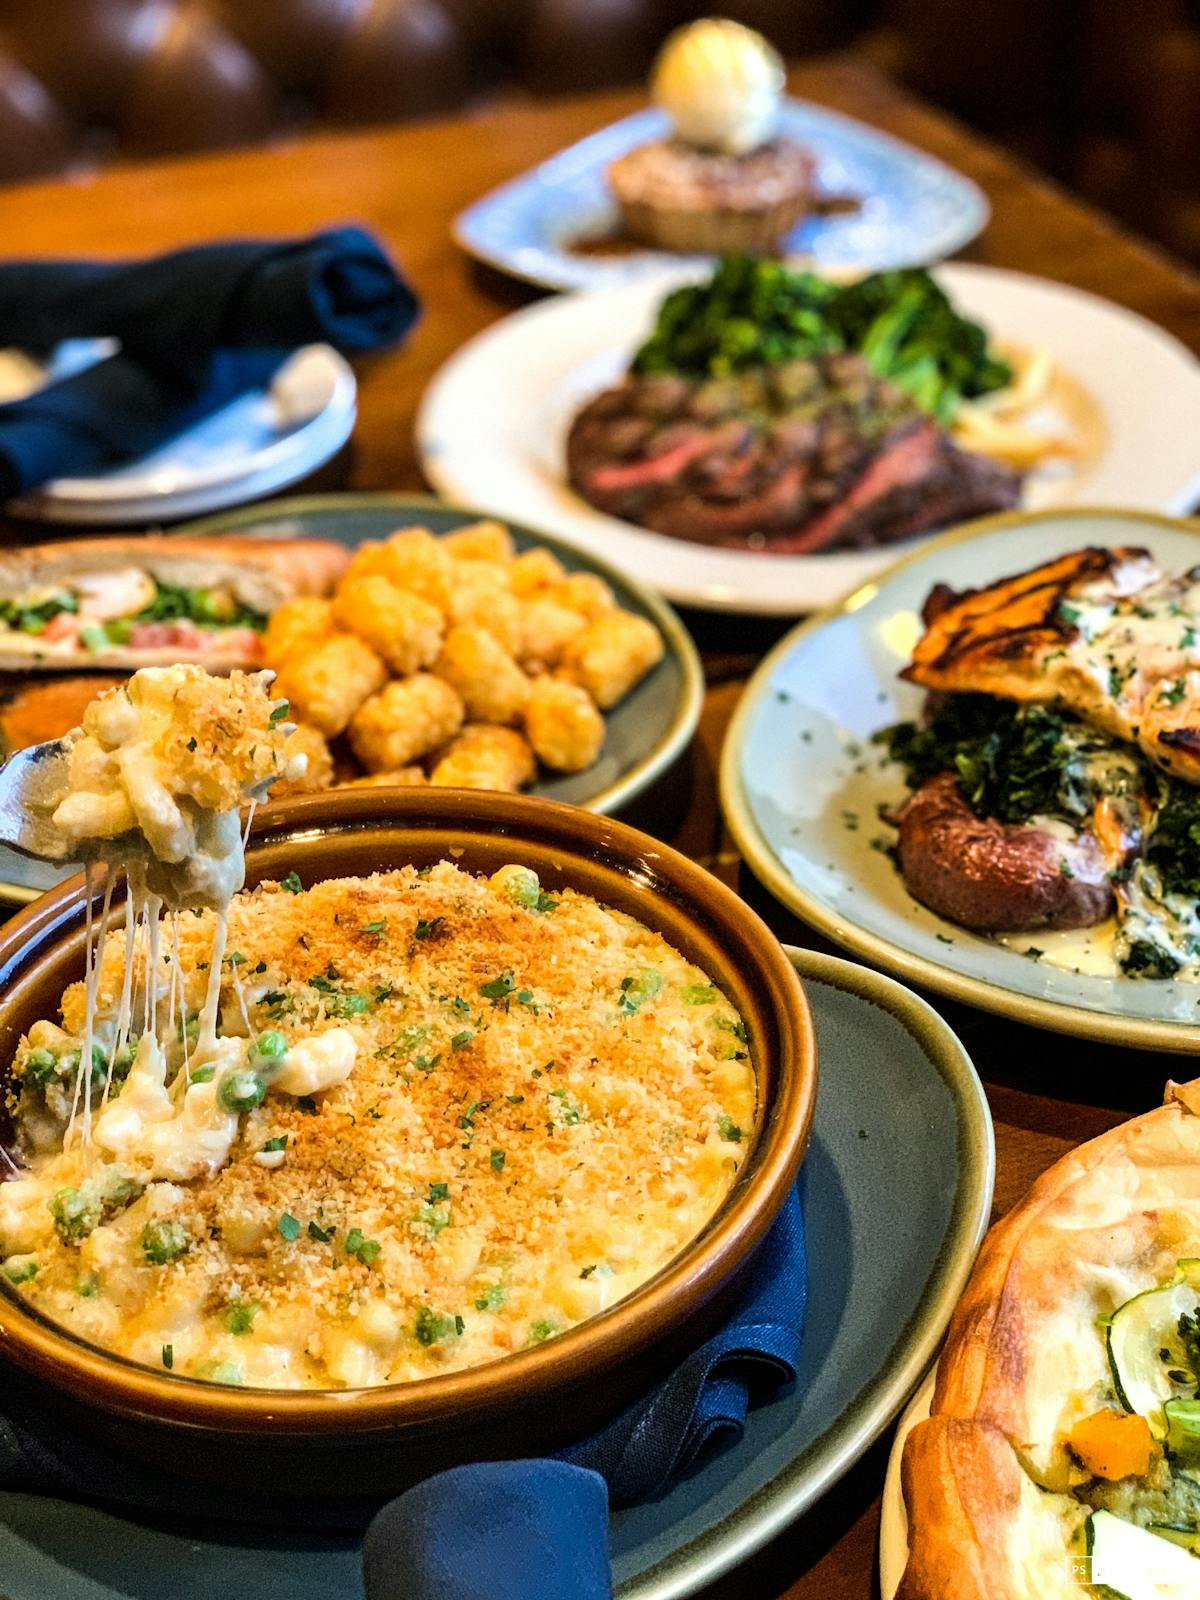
x=327 y=684
x=370 y=560
x=402 y=778
x=484 y=756
x=406 y=630
x=404 y=722
x=413 y=559
x=563 y=725
x=479 y=597
x=611 y=655
x=302 y=621
x=546 y=630
x=585 y=592
x=309 y=742
x=480 y=541
x=534 y=570
x=492 y=685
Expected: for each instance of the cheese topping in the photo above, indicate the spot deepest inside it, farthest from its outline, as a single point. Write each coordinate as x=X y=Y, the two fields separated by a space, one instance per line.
x=445 y=1118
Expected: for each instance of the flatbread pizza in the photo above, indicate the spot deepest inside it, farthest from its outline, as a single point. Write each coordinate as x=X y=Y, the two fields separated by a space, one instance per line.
x=1062 y=1455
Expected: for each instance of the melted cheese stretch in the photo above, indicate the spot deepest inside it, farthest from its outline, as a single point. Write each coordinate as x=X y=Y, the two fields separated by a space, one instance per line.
x=487 y=1113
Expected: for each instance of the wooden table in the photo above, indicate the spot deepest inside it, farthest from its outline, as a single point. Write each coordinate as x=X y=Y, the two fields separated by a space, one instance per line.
x=1046 y=1093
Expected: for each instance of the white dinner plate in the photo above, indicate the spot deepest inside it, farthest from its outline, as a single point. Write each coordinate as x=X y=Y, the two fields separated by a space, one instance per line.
x=259 y=443
x=893 y=1515
x=494 y=421
x=911 y=208
x=802 y=786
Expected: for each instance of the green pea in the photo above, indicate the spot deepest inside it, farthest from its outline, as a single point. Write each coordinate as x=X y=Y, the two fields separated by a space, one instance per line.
x=40 y=1066
x=269 y=1048
x=163 y=1242
x=241 y=1090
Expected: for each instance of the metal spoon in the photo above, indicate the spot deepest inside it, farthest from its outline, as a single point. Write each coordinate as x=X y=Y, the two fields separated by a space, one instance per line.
x=32 y=782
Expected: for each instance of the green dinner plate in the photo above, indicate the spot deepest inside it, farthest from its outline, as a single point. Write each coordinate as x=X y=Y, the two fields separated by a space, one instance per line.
x=644 y=734
x=897 y=1189
x=802 y=785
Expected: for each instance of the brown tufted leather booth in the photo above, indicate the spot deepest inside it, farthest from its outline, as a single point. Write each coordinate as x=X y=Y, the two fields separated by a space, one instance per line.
x=1104 y=93
x=84 y=81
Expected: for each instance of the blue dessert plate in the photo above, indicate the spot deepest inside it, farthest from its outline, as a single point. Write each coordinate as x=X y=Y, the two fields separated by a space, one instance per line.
x=897 y=1189
x=904 y=208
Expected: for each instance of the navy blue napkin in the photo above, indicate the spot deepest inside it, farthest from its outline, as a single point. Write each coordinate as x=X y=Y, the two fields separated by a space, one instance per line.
x=197 y=328
x=533 y=1527
x=540 y=1527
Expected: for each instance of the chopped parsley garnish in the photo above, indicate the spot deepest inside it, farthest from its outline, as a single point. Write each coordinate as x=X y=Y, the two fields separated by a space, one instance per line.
x=733 y=1025
x=1174 y=694
x=461 y=1040
x=498 y=988
x=428 y=929
x=568 y=1113
x=365 y=1249
x=728 y=1129
x=278 y=713
x=438 y=1191
x=545 y=902
x=289 y=1226
x=497 y=1160
x=308 y=1105
x=168 y=1356
x=191 y=744
x=292 y=883
x=431 y=1327
x=320 y=1234
x=378 y=927
x=461 y=1006
x=524 y=997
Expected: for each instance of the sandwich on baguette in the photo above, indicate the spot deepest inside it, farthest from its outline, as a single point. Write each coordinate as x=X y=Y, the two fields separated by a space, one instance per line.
x=153 y=600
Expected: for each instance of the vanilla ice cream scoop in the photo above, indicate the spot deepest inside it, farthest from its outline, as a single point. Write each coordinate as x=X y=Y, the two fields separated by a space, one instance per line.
x=721 y=84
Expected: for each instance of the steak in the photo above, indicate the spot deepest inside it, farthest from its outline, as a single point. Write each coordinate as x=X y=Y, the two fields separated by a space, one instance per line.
x=807 y=456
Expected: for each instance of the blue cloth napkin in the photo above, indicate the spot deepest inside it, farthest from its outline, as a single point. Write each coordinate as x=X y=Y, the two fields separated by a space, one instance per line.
x=196 y=327
x=507 y=1529
x=540 y=1527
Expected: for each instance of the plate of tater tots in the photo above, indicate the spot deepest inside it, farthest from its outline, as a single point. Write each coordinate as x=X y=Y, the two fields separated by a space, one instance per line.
x=458 y=651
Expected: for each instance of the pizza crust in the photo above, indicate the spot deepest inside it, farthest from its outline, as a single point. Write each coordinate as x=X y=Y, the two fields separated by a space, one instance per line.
x=984 y=1480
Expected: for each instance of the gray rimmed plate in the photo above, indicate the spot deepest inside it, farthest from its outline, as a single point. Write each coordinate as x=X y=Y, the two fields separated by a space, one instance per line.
x=644 y=734
x=897 y=1190
x=801 y=785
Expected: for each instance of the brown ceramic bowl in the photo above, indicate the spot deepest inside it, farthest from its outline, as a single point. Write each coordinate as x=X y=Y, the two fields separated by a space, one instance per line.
x=374 y=1441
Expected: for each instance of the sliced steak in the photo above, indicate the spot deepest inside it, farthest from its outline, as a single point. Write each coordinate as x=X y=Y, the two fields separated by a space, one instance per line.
x=997 y=877
x=807 y=456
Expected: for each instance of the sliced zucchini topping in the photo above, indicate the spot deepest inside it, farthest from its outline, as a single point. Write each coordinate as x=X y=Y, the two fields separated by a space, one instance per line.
x=1154 y=1346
